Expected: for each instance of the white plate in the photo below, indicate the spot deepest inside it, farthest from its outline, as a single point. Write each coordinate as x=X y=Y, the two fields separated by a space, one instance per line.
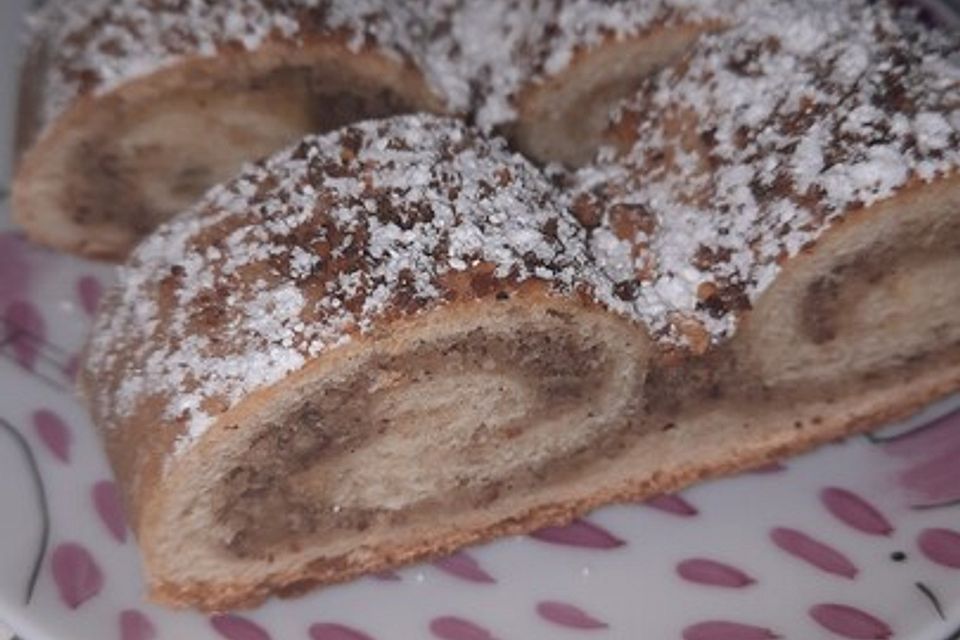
x=831 y=545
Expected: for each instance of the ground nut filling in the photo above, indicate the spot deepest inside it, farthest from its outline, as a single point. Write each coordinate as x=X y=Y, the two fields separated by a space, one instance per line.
x=312 y=461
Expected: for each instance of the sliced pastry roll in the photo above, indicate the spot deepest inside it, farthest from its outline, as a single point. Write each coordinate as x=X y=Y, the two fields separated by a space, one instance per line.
x=382 y=343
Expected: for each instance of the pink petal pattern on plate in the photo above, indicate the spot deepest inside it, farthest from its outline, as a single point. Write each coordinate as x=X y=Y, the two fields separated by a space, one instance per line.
x=53 y=433
x=855 y=512
x=850 y=622
x=134 y=625
x=671 y=503
x=14 y=267
x=106 y=500
x=723 y=630
x=464 y=566
x=931 y=474
x=76 y=574
x=567 y=615
x=453 y=628
x=328 y=631
x=89 y=290
x=713 y=573
x=941 y=546
x=579 y=533
x=234 y=627
x=21 y=316
x=813 y=551
x=926 y=439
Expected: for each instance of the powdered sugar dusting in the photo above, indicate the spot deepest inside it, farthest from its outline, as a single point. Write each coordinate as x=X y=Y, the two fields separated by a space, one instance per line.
x=316 y=245
x=761 y=138
x=476 y=55
x=97 y=45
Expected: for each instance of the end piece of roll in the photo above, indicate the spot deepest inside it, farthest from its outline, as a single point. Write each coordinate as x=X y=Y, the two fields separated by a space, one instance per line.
x=131 y=110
